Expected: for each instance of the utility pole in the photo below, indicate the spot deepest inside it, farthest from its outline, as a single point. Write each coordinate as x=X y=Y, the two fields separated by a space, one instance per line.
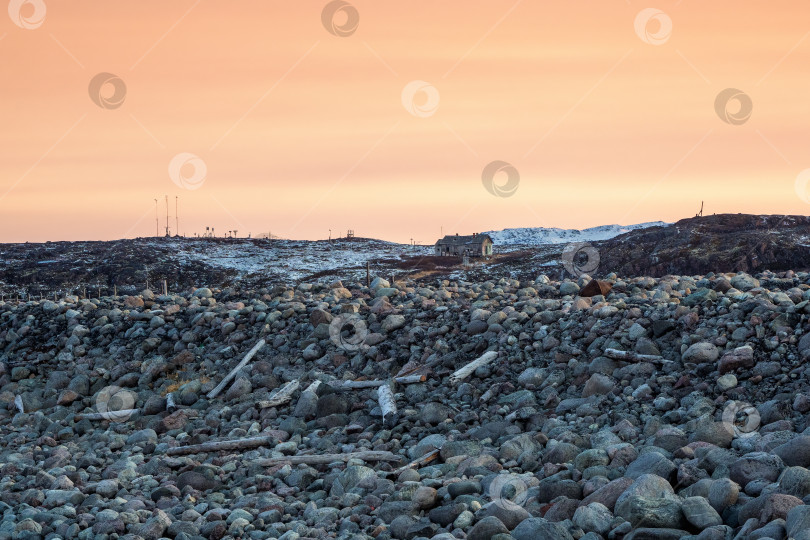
x=176 y=218
x=157 y=233
x=167 y=216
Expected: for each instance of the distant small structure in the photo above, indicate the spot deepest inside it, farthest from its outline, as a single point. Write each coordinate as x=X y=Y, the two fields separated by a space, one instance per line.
x=350 y=233
x=473 y=245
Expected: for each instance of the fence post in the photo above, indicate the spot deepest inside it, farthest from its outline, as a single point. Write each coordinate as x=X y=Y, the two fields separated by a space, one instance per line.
x=165 y=288
x=368 y=274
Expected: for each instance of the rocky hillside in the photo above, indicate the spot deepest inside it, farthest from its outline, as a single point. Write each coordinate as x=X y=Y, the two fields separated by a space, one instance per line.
x=722 y=243
x=633 y=408
x=718 y=243
x=128 y=265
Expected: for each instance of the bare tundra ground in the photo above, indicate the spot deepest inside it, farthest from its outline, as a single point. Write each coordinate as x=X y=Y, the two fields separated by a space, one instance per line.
x=626 y=408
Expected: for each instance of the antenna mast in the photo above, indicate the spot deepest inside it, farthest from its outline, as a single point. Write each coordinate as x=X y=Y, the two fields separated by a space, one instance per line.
x=157 y=233
x=176 y=218
x=167 y=216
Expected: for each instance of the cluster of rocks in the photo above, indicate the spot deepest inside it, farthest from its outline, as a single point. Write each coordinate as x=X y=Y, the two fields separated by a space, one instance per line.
x=700 y=431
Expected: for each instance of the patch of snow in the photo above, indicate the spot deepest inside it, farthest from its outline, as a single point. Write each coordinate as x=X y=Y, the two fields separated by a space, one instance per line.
x=534 y=236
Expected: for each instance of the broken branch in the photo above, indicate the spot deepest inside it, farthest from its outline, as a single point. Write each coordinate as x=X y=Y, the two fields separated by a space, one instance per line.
x=406 y=379
x=465 y=371
x=418 y=462
x=387 y=402
x=115 y=416
x=281 y=396
x=630 y=356
x=221 y=386
x=326 y=459
x=217 y=446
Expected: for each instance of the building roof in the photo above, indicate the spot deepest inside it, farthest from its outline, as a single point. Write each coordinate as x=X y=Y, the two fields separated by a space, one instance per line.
x=470 y=239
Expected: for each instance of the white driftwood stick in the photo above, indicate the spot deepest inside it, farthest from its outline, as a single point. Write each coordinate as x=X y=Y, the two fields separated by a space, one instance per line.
x=410 y=379
x=281 y=396
x=489 y=394
x=631 y=356
x=313 y=387
x=326 y=459
x=465 y=371
x=171 y=406
x=418 y=462
x=406 y=379
x=221 y=386
x=216 y=446
x=361 y=384
x=19 y=404
x=386 y=400
x=123 y=414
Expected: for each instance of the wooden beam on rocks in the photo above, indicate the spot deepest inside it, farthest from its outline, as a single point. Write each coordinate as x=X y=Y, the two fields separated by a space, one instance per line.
x=360 y=384
x=407 y=379
x=281 y=396
x=171 y=406
x=326 y=459
x=248 y=357
x=418 y=462
x=218 y=446
x=630 y=356
x=465 y=371
x=123 y=414
x=387 y=403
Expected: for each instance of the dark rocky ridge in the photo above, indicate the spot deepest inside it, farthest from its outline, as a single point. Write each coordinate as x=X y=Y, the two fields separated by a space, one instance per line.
x=717 y=243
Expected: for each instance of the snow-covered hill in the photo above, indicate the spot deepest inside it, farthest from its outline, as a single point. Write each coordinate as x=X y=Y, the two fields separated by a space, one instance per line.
x=534 y=236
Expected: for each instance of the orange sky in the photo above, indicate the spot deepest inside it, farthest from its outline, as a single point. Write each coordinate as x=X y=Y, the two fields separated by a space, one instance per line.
x=301 y=130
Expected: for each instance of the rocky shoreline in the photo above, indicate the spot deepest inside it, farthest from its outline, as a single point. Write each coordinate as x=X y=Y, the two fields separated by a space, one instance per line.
x=629 y=408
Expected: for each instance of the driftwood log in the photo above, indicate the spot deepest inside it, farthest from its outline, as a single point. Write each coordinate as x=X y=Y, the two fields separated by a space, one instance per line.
x=171 y=406
x=114 y=416
x=326 y=459
x=218 y=446
x=281 y=396
x=248 y=357
x=418 y=462
x=407 y=379
x=465 y=371
x=630 y=356
x=387 y=403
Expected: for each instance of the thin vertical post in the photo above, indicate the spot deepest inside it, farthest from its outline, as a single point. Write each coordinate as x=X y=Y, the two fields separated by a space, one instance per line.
x=368 y=274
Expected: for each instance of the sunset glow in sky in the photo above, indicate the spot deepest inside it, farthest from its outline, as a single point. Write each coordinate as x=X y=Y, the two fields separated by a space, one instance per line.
x=297 y=130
